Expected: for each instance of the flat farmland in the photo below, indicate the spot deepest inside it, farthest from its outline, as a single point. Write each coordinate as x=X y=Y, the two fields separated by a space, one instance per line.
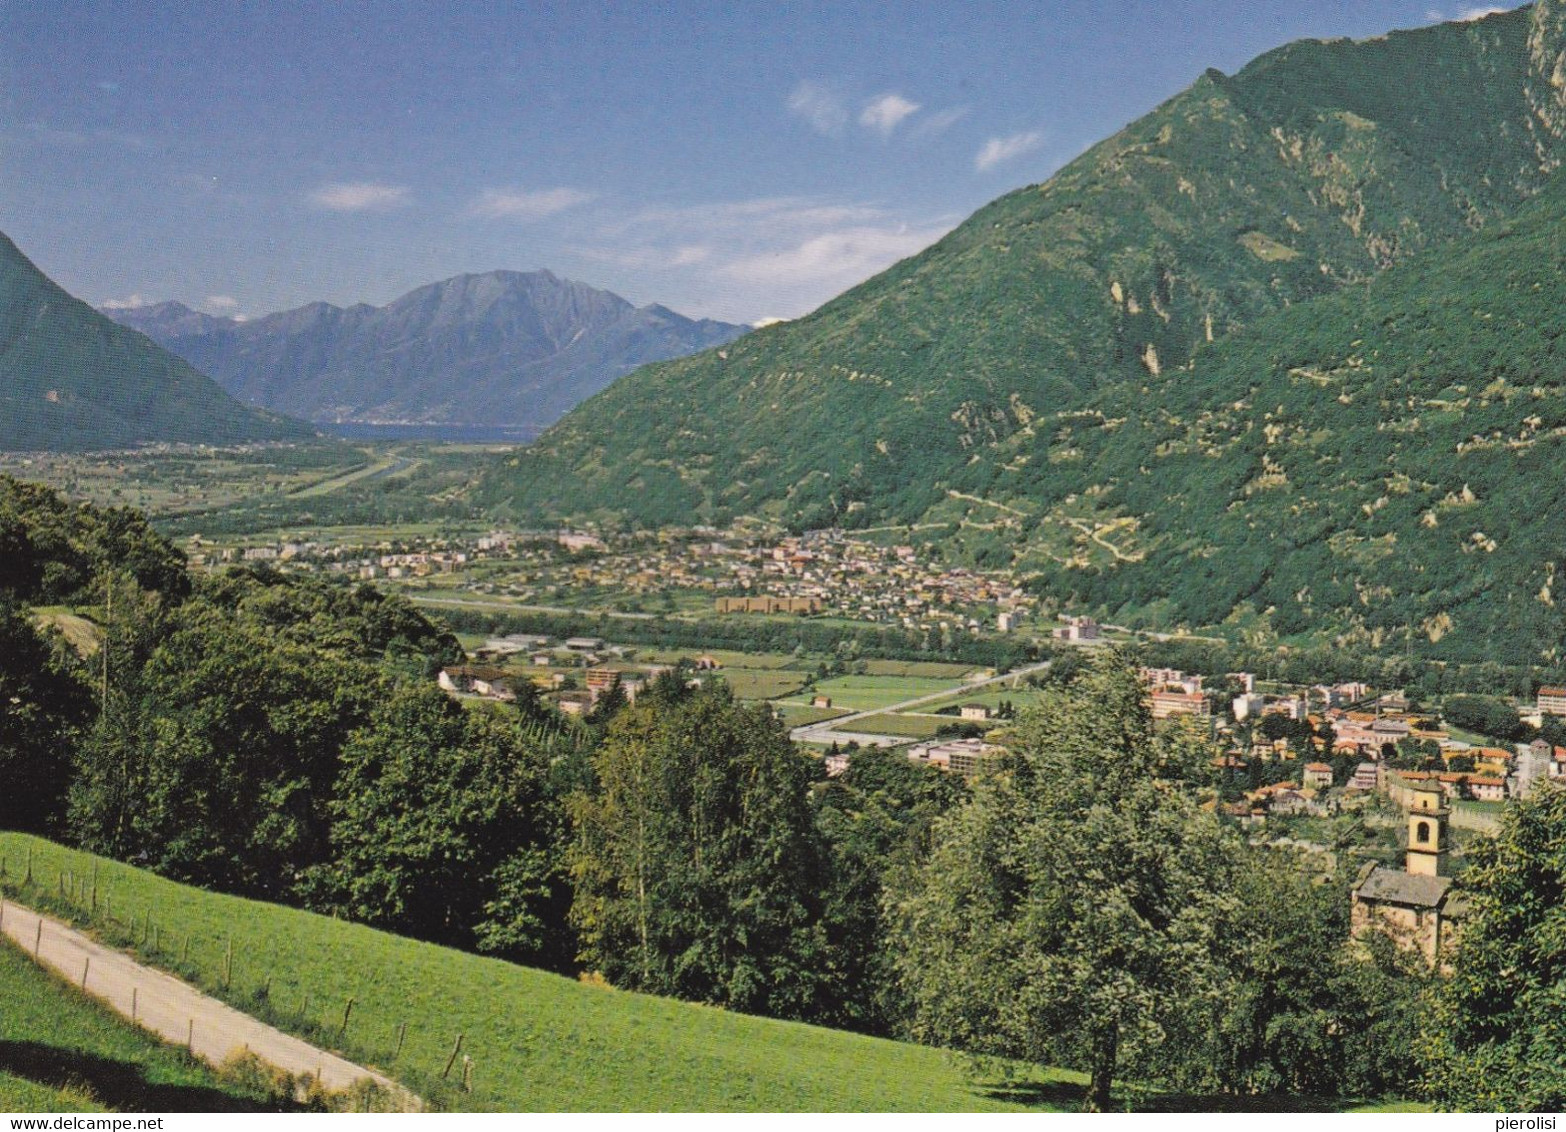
x=935 y=669
x=163 y=482
x=726 y=657
x=866 y=693
x=913 y=726
x=762 y=683
x=797 y=715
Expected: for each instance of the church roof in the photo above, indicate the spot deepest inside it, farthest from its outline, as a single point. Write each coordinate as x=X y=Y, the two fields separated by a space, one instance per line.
x=1394 y=886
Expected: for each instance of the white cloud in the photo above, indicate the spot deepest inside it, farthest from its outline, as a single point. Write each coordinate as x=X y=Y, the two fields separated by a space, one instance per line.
x=933 y=124
x=885 y=111
x=834 y=259
x=129 y=303
x=360 y=196
x=819 y=106
x=690 y=254
x=738 y=259
x=1465 y=14
x=221 y=304
x=497 y=204
x=998 y=150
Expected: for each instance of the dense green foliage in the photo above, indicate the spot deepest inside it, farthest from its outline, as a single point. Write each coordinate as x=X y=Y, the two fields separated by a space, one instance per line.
x=39 y=714
x=1241 y=361
x=1085 y=909
x=71 y=379
x=1073 y=911
x=441 y=827
x=1493 y=1038
x=697 y=868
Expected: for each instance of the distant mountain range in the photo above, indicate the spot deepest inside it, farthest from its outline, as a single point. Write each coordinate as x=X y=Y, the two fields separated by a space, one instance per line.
x=70 y=379
x=504 y=348
x=1283 y=355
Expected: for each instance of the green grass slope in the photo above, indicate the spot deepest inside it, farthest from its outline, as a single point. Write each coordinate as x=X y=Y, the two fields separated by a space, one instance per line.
x=62 y=1052
x=1314 y=168
x=538 y=1041
x=71 y=379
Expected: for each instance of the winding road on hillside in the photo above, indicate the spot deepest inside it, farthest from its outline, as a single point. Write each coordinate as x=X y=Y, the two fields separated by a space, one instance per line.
x=172 y=1009
x=827 y=731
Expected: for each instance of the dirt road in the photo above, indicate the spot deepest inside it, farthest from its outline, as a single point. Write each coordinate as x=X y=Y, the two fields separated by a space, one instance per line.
x=170 y=1008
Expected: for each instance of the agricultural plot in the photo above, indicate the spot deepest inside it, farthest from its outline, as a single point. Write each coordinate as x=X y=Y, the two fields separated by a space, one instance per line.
x=725 y=657
x=167 y=482
x=538 y=1042
x=865 y=693
x=913 y=726
x=762 y=684
x=62 y=1052
x=797 y=715
x=933 y=669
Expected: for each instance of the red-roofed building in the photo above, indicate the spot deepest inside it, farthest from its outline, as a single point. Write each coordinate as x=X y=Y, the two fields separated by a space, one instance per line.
x=1552 y=701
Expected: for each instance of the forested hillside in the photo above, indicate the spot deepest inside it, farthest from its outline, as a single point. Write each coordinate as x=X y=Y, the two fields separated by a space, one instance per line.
x=1085 y=378
x=71 y=379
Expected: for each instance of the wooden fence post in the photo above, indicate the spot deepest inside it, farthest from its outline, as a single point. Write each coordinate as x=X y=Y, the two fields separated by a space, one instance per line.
x=38 y=939
x=342 y=1031
x=402 y=1032
x=452 y=1060
x=87 y=962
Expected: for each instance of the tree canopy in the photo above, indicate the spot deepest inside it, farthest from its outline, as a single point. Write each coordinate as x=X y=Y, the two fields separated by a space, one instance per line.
x=1073 y=910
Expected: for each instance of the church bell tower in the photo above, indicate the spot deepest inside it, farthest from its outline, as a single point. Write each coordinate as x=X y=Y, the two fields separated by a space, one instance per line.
x=1427 y=835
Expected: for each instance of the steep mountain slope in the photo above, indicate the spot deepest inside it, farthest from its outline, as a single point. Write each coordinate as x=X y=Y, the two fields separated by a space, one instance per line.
x=71 y=379
x=1312 y=169
x=1369 y=448
x=505 y=347
x=1383 y=464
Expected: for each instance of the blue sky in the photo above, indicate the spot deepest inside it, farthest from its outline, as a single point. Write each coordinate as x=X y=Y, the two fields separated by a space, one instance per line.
x=729 y=160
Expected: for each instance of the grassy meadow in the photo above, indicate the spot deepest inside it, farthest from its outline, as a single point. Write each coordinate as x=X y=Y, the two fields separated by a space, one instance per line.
x=538 y=1041
x=61 y=1051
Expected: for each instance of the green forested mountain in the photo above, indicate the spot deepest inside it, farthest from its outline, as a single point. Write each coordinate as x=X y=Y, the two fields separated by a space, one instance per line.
x=71 y=379
x=1088 y=374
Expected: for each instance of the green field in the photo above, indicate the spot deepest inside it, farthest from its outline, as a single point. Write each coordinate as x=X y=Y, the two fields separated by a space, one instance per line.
x=913 y=726
x=62 y=1052
x=990 y=697
x=538 y=1041
x=726 y=657
x=762 y=683
x=865 y=693
x=797 y=715
x=931 y=668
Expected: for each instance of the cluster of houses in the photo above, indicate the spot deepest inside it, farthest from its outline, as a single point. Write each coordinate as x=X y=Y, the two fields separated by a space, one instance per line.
x=1342 y=722
x=573 y=675
x=966 y=757
x=819 y=572
x=853 y=578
